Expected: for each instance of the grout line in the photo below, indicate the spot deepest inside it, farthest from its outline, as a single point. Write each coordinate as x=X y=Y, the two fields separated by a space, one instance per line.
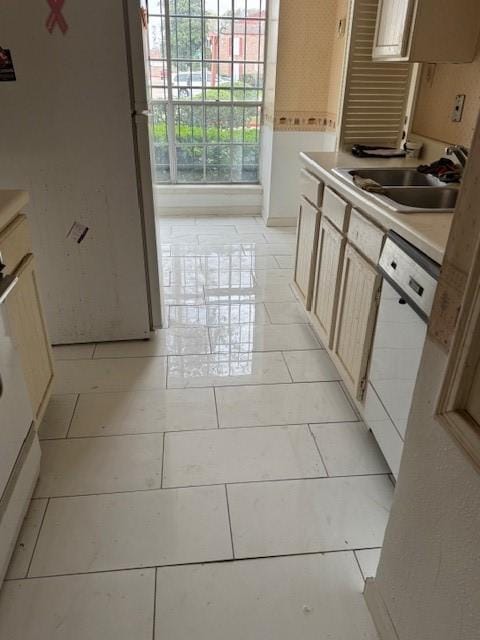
x=195 y=563
x=288 y=368
x=229 y=521
x=72 y=416
x=155 y=576
x=193 y=430
x=358 y=564
x=162 y=479
x=319 y=452
x=204 y=486
x=37 y=538
x=216 y=407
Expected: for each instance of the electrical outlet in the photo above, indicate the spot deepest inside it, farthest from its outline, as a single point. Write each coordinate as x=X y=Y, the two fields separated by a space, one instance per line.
x=457 y=112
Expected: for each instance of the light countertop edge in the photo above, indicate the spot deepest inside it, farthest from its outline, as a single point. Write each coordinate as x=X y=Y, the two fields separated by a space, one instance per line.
x=12 y=201
x=427 y=231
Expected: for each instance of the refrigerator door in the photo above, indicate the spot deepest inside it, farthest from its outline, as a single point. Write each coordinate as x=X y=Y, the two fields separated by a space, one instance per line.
x=144 y=170
x=137 y=37
x=67 y=138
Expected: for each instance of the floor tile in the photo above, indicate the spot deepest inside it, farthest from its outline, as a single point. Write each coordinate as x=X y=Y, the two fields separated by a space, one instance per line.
x=178 y=294
x=100 y=465
x=368 y=560
x=311 y=597
x=110 y=606
x=286 y=313
x=26 y=541
x=274 y=277
x=240 y=455
x=251 y=337
x=163 y=342
x=299 y=403
x=285 y=262
x=304 y=516
x=139 y=529
x=234 y=249
x=311 y=366
x=97 y=376
x=144 y=412
x=349 y=449
x=269 y=249
x=58 y=416
x=215 y=315
x=259 y=293
x=73 y=351
x=226 y=369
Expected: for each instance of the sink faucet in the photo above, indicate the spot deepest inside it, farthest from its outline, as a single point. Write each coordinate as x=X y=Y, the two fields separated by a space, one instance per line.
x=460 y=152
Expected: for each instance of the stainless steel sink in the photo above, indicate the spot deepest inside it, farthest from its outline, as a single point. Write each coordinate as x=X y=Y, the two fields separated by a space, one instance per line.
x=392 y=177
x=406 y=190
x=419 y=199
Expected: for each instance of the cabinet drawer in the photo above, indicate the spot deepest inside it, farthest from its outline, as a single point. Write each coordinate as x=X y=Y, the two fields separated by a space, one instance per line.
x=366 y=236
x=336 y=209
x=311 y=187
x=14 y=243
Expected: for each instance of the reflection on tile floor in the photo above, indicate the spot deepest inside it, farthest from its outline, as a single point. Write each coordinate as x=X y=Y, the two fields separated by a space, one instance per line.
x=226 y=436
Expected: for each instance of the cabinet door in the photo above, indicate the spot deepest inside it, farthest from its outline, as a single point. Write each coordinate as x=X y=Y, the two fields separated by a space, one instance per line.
x=393 y=28
x=331 y=247
x=356 y=319
x=30 y=336
x=307 y=239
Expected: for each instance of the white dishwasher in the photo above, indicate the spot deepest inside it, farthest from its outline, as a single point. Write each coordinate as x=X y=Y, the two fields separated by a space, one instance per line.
x=409 y=283
x=19 y=446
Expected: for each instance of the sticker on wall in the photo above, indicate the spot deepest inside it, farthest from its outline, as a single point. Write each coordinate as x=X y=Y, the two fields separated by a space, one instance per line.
x=7 y=72
x=77 y=232
x=56 y=16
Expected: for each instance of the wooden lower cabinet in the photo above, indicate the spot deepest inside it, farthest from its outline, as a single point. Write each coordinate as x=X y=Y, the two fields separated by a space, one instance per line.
x=331 y=248
x=307 y=239
x=30 y=336
x=355 y=325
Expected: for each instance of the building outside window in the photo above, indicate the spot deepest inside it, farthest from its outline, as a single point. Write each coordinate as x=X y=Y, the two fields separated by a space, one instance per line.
x=207 y=70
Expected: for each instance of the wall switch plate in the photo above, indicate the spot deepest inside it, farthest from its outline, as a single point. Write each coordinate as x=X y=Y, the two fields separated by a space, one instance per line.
x=457 y=112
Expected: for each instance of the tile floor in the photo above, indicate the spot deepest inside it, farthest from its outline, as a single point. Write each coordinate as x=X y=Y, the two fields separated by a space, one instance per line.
x=213 y=482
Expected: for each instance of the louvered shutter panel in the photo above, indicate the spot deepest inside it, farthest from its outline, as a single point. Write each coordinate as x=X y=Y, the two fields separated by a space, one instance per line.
x=375 y=96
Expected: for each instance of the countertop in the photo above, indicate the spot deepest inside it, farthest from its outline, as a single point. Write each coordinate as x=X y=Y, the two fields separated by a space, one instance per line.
x=11 y=203
x=427 y=231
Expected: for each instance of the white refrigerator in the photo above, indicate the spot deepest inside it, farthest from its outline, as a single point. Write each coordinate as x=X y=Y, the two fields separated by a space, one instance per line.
x=74 y=128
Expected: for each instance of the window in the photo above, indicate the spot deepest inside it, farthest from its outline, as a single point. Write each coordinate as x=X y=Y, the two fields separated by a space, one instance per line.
x=207 y=68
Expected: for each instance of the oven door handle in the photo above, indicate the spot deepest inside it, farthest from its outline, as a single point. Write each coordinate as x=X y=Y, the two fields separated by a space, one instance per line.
x=7 y=284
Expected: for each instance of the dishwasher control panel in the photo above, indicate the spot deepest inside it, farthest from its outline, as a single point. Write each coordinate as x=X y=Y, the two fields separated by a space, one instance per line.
x=412 y=273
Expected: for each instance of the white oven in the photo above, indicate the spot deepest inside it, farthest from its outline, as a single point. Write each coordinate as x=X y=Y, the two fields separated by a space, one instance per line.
x=19 y=447
x=408 y=289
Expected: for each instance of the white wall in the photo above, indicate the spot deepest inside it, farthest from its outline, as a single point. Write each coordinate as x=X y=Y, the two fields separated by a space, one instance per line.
x=281 y=170
x=429 y=573
x=203 y=199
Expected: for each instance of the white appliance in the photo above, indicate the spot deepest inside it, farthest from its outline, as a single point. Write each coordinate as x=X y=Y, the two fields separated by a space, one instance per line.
x=74 y=134
x=19 y=446
x=408 y=289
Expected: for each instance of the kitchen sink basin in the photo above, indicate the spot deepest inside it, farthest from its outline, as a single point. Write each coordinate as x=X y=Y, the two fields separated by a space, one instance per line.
x=405 y=190
x=392 y=177
x=419 y=199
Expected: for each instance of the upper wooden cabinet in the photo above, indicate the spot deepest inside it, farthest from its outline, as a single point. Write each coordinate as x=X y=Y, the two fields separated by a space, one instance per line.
x=427 y=30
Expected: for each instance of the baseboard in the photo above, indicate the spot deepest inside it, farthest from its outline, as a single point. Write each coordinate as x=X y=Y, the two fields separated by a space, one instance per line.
x=233 y=210
x=379 y=612
x=281 y=222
